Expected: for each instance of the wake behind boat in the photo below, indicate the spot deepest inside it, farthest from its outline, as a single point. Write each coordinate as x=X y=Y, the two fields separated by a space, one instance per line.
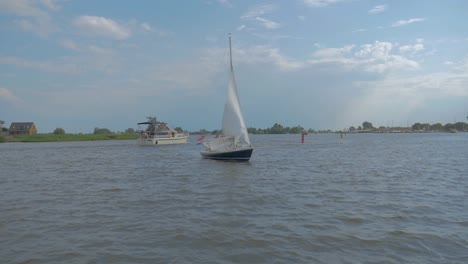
x=159 y=133
x=234 y=143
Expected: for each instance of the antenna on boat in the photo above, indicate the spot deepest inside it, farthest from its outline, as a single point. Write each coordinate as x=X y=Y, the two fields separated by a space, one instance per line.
x=230 y=52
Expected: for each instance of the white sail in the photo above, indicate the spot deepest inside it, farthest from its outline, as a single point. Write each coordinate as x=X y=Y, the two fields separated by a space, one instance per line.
x=233 y=120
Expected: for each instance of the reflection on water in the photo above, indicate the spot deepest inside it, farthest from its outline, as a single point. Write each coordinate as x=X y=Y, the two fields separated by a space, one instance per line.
x=364 y=198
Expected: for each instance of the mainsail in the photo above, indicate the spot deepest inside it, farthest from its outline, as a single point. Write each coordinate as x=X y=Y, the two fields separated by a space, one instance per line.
x=233 y=120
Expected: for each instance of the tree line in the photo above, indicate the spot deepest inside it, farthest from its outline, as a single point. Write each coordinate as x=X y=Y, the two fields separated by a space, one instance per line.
x=416 y=127
x=280 y=129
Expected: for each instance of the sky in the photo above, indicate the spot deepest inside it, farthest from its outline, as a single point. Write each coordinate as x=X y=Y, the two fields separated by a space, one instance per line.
x=319 y=64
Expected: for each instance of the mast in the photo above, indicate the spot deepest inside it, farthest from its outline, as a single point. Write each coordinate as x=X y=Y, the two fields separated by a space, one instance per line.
x=230 y=52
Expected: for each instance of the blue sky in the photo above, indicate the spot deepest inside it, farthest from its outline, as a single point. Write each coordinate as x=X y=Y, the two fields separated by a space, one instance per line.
x=321 y=64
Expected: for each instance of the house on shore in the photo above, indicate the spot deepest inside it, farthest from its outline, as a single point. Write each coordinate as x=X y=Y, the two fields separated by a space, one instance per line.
x=22 y=129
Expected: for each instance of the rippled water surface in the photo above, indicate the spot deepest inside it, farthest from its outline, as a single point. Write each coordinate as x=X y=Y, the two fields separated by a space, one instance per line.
x=389 y=198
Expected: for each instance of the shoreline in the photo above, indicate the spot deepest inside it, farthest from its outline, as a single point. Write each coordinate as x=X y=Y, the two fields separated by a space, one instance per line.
x=67 y=137
x=38 y=138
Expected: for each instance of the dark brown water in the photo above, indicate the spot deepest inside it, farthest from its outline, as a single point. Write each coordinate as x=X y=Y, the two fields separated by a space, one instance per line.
x=390 y=198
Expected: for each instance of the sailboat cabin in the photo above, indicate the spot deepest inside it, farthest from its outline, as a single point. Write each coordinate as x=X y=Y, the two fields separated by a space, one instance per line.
x=22 y=128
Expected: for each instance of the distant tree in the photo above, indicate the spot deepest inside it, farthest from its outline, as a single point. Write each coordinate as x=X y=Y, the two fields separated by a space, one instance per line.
x=179 y=129
x=216 y=132
x=359 y=128
x=449 y=127
x=416 y=126
x=351 y=128
x=4 y=129
x=437 y=127
x=203 y=131
x=277 y=129
x=101 y=131
x=153 y=120
x=129 y=130
x=59 y=131
x=2 y=139
x=252 y=130
x=460 y=126
x=425 y=126
x=367 y=125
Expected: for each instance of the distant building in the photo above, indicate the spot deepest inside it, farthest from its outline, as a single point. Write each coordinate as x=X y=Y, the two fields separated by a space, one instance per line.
x=22 y=128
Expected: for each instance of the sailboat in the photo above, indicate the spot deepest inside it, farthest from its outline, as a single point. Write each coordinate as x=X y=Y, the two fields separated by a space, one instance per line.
x=233 y=143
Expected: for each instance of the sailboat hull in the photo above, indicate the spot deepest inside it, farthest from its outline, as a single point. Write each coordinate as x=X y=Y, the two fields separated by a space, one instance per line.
x=232 y=155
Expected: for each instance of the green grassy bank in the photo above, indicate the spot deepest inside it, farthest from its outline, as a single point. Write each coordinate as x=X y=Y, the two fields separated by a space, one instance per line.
x=69 y=137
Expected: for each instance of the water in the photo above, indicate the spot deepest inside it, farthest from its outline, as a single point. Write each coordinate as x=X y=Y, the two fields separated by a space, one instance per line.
x=388 y=198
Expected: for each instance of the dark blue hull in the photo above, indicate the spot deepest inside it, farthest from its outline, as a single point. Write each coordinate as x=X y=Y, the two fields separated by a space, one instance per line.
x=234 y=155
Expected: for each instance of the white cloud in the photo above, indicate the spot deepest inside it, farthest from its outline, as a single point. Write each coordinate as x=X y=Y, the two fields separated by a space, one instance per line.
x=225 y=2
x=241 y=27
x=96 y=60
x=378 y=58
x=320 y=3
x=51 y=4
x=97 y=49
x=257 y=11
x=72 y=45
x=101 y=27
x=378 y=9
x=41 y=27
x=256 y=14
x=411 y=92
x=274 y=37
x=42 y=66
x=146 y=26
x=333 y=52
x=213 y=61
x=401 y=23
x=33 y=18
x=69 y=44
x=267 y=54
x=339 y=56
x=7 y=96
x=267 y=23
x=284 y=63
x=360 y=30
x=419 y=46
x=24 y=8
x=402 y=95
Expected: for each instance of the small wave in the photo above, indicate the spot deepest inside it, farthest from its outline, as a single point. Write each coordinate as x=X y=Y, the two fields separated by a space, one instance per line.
x=310 y=205
x=246 y=258
x=351 y=220
x=112 y=190
x=327 y=239
x=397 y=233
x=320 y=227
x=395 y=217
